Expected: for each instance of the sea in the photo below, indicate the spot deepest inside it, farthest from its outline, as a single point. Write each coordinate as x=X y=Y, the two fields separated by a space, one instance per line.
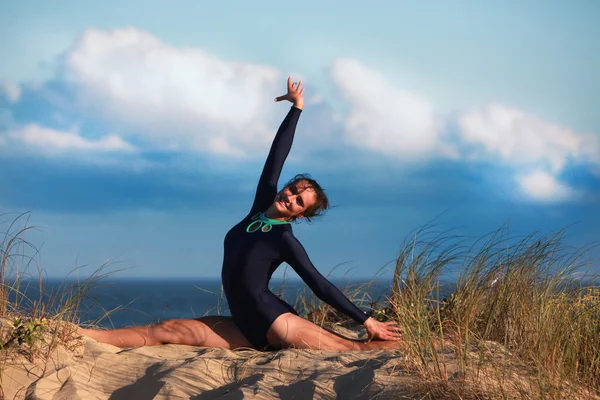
x=127 y=302
x=123 y=302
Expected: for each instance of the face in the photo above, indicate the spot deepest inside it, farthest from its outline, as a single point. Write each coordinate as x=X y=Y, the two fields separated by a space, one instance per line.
x=295 y=199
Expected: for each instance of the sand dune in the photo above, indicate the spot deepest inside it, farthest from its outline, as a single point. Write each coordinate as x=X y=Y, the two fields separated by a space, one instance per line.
x=100 y=371
x=184 y=372
x=87 y=369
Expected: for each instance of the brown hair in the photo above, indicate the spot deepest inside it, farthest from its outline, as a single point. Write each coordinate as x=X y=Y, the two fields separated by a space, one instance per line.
x=321 y=205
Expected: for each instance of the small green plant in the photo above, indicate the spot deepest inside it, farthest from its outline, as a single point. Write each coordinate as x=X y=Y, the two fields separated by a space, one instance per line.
x=34 y=327
x=29 y=331
x=382 y=314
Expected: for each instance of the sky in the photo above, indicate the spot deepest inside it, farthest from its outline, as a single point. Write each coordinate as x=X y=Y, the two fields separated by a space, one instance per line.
x=134 y=132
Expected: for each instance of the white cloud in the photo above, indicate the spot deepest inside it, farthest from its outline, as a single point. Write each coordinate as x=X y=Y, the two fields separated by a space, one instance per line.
x=176 y=96
x=542 y=186
x=522 y=142
x=185 y=98
x=52 y=141
x=11 y=90
x=518 y=138
x=382 y=118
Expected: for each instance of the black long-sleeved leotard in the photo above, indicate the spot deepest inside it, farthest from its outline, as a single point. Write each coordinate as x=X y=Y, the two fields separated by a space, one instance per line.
x=251 y=258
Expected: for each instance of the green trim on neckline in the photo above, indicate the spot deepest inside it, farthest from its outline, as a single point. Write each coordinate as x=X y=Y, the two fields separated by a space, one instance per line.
x=264 y=223
x=270 y=221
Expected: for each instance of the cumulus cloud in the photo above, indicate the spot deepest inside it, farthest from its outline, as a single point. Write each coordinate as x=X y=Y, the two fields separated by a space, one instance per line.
x=522 y=142
x=179 y=97
x=542 y=186
x=182 y=98
x=51 y=141
x=516 y=137
x=383 y=118
x=11 y=90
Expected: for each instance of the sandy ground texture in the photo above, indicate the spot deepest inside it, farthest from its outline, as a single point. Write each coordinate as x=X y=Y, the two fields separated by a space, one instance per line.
x=91 y=370
x=101 y=371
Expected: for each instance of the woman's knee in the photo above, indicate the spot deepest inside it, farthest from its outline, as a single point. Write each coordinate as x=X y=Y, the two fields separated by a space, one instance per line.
x=290 y=330
x=280 y=331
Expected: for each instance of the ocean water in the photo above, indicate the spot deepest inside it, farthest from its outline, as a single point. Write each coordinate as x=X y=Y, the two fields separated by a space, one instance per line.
x=127 y=302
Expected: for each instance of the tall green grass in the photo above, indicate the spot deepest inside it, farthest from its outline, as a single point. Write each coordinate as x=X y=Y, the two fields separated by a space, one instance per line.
x=522 y=321
x=519 y=292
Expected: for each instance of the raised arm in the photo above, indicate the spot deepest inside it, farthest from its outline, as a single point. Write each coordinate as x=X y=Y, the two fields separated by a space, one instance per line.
x=295 y=255
x=267 y=184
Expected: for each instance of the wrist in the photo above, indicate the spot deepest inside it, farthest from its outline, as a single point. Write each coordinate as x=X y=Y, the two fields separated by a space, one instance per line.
x=299 y=103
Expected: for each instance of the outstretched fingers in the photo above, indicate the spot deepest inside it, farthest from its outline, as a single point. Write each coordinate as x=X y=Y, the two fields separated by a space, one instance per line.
x=294 y=91
x=384 y=331
x=394 y=325
x=391 y=333
x=394 y=328
x=295 y=87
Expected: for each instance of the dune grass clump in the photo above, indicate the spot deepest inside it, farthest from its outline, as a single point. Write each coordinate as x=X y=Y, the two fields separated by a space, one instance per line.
x=33 y=327
x=520 y=293
x=503 y=317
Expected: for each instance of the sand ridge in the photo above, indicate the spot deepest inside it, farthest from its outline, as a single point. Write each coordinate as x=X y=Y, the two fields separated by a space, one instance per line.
x=103 y=371
x=87 y=369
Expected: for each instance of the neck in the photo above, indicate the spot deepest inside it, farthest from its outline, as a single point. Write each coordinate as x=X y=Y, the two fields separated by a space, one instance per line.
x=273 y=214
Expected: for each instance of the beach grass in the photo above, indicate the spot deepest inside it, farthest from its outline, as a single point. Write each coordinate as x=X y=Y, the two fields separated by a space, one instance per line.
x=521 y=319
x=33 y=327
x=532 y=295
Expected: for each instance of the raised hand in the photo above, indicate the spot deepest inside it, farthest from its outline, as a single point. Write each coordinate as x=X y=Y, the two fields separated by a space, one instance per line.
x=382 y=330
x=294 y=93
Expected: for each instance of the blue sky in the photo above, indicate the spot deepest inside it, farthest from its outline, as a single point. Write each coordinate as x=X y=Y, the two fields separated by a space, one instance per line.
x=136 y=131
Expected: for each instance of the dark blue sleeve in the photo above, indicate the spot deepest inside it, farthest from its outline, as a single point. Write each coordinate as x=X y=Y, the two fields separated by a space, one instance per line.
x=294 y=254
x=267 y=184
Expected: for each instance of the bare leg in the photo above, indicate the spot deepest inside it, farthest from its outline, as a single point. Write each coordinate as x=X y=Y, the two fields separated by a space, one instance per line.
x=290 y=330
x=206 y=331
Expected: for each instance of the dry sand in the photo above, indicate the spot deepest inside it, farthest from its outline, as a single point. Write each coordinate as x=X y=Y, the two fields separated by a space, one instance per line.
x=185 y=372
x=101 y=371
x=92 y=370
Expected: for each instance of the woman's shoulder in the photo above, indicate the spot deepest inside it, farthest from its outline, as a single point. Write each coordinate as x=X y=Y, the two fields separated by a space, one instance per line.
x=287 y=235
x=287 y=231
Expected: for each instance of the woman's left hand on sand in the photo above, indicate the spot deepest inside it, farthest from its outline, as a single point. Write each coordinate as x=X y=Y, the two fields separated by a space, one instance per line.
x=382 y=330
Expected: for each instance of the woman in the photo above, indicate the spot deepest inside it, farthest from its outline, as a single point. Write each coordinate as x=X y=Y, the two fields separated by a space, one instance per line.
x=254 y=248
